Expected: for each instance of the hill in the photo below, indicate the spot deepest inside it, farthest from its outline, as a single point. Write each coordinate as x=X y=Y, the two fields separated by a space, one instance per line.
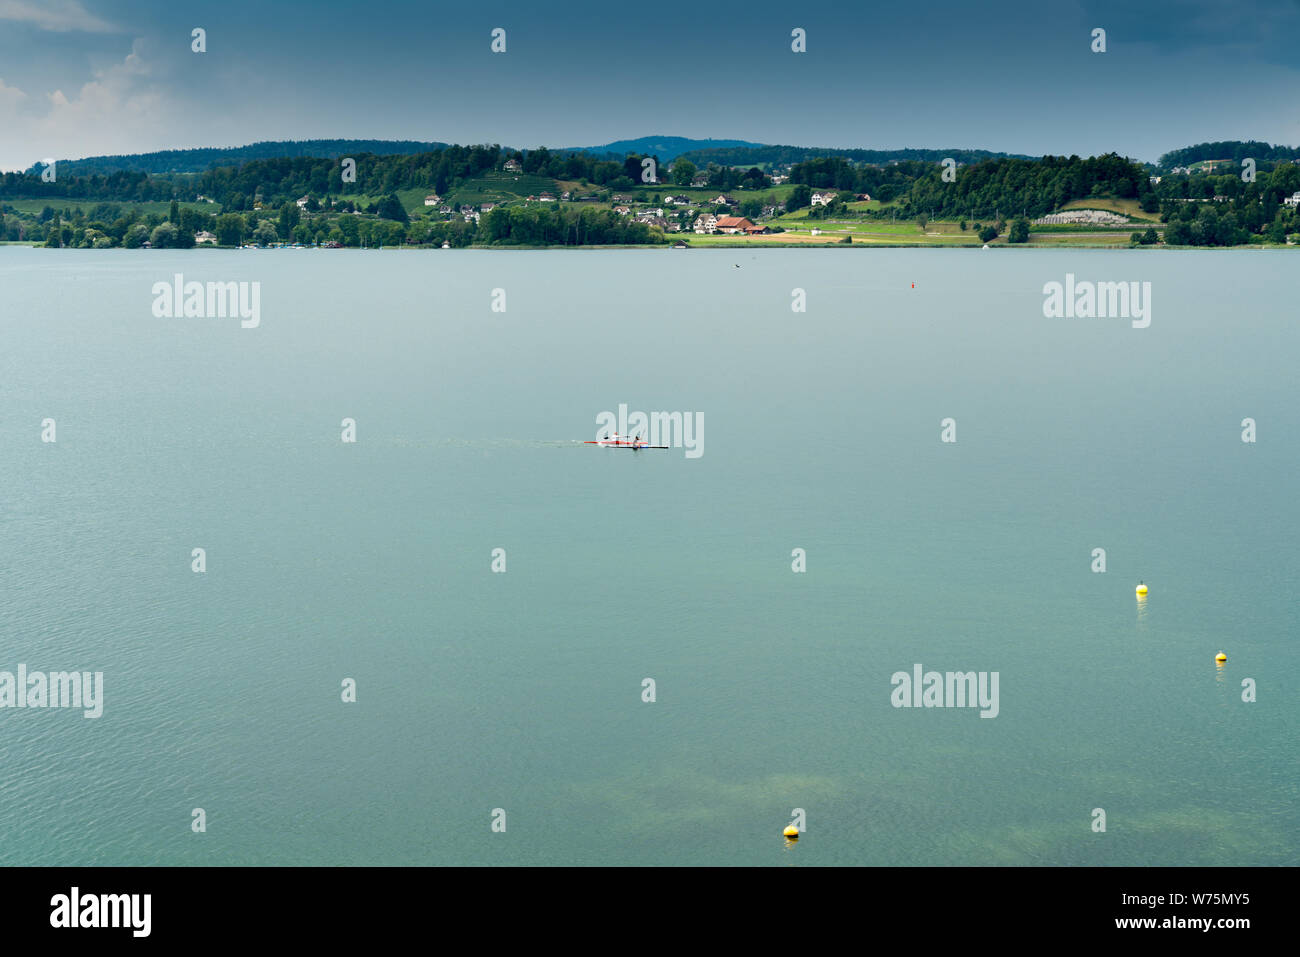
x=1234 y=150
x=767 y=156
x=664 y=147
x=206 y=158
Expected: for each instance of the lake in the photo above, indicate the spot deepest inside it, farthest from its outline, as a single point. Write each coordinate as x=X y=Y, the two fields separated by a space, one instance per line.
x=524 y=690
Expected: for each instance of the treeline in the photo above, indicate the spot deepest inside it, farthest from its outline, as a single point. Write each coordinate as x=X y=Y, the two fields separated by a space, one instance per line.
x=110 y=225
x=884 y=183
x=1031 y=188
x=198 y=160
x=789 y=155
x=1224 y=211
x=1235 y=150
x=275 y=181
x=556 y=226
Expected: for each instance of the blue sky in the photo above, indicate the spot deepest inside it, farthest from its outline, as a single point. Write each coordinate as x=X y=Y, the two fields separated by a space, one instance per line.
x=87 y=77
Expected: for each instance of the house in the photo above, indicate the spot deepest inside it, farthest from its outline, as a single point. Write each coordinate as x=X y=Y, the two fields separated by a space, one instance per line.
x=302 y=202
x=823 y=197
x=768 y=211
x=652 y=213
x=701 y=179
x=433 y=199
x=816 y=231
x=706 y=224
x=445 y=209
x=722 y=200
x=546 y=198
x=472 y=215
x=680 y=244
x=670 y=200
x=623 y=210
x=1293 y=199
x=865 y=197
x=732 y=224
x=566 y=195
x=755 y=230
x=514 y=166
x=203 y=237
x=487 y=207
x=779 y=178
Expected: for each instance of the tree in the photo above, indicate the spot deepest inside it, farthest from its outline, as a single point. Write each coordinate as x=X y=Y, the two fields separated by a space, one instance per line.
x=1150 y=237
x=1019 y=231
x=163 y=236
x=988 y=233
x=230 y=229
x=922 y=221
x=962 y=225
x=174 y=214
x=800 y=197
x=135 y=236
x=265 y=233
x=390 y=207
x=289 y=216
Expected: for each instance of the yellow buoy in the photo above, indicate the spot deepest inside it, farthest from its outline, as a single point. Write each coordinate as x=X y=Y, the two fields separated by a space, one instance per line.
x=791 y=832
x=1141 y=589
x=1221 y=657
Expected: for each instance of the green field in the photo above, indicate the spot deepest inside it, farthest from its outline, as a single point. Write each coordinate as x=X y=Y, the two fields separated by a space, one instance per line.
x=1125 y=207
x=492 y=187
x=33 y=207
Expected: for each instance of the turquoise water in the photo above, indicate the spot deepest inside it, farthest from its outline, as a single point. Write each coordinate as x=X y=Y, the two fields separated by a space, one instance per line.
x=522 y=690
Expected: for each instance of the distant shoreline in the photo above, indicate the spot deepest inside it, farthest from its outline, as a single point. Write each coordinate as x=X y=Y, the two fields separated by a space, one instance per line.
x=668 y=247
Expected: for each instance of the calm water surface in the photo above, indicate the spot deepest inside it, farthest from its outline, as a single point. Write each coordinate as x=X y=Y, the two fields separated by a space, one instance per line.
x=522 y=690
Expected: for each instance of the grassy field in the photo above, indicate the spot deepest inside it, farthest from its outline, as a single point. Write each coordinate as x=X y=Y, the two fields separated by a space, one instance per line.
x=1126 y=207
x=498 y=187
x=33 y=207
x=873 y=233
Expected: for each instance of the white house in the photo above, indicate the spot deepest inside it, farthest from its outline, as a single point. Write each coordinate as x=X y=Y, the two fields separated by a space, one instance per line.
x=1293 y=199
x=433 y=199
x=706 y=224
x=823 y=197
x=514 y=166
x=302 y=203
x=204 y=237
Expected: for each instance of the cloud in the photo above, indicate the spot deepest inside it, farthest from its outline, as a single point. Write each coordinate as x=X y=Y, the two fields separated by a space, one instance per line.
x=58 y=16
x=115 y=111
x=10 y=98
